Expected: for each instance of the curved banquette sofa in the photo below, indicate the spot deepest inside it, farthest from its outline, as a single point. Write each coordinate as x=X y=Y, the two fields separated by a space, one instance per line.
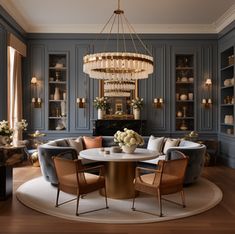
x=195 y=152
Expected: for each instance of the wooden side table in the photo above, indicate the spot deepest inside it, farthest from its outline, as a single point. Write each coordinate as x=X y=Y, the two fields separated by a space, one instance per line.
x=8 y=157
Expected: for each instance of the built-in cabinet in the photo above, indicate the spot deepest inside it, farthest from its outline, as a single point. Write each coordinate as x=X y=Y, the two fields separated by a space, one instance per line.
x=184 y=92
x=227 y=91
x=57 y=92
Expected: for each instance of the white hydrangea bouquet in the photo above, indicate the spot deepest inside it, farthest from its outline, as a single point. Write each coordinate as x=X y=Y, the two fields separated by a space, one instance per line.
x=137 y=103
x=21 y=125
x=128 y=140
x=5 y=129
x=101 y=103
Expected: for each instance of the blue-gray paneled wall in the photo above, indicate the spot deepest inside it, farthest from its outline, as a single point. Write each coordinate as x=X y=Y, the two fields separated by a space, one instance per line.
x=159 y=84
x=227 y=142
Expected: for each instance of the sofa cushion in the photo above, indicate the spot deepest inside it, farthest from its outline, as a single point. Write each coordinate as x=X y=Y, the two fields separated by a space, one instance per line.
x=62 y=143
x=155 y=143
x=77 y=144
x=92 y=142
x=170 y=143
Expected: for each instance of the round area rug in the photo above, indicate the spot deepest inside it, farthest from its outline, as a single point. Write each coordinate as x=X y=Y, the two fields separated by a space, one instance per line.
x=40 y=195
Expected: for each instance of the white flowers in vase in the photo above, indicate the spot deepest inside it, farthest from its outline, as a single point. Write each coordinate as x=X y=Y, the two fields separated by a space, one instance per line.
x=128 y=138
x=137 y=103
x=5 y=129
x=101 y=103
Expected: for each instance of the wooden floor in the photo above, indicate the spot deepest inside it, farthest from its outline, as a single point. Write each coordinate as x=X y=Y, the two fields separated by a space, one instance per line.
x=16 y=218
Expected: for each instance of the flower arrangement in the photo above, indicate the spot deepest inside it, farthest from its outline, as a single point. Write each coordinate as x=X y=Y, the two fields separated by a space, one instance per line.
x=21 y=125
x=101 y=103
x=137 y=103
x=128 y=137
x=5 y=129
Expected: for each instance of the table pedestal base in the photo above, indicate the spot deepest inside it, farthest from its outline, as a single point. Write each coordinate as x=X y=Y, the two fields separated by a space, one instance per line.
x=119 y=179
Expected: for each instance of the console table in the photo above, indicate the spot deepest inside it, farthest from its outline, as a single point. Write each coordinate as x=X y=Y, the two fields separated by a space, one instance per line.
x=108 y=127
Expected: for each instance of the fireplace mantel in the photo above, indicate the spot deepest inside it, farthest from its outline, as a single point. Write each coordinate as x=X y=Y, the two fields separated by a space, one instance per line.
x=105 y=127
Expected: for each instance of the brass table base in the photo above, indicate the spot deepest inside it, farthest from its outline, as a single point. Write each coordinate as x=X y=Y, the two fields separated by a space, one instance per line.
x=119 y=179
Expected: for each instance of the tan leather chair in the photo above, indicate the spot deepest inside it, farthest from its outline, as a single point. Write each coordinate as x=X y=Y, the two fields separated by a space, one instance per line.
x=167 y=179
x=73 y=179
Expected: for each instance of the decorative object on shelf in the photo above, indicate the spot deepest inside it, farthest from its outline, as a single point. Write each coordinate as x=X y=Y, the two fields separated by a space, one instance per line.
x=231 y=59
x=119 y=65
x=36 y=101
x=158 y=102
x=179 y=114
x=60 y=126
x=81 y=102
x=5 y=133
x=64 y=96
x=232 y=81
x=229 y=131
x=59 y=65
x=183 y=126
x=190 y=96
x=228 y=119
x=57 y=75
x=192 y=136
x=177 y=96
x=190 y=79
x=57 y=94
x=184 y=79
x=183 y=97
x=63 y=108
x=184 y=111
x=207 y=102
x=128 y=140
x=137 y=104
x=101 y=105
x=227 y=82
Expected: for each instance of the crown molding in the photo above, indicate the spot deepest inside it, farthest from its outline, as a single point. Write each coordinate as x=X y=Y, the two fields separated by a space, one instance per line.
x=227 y=18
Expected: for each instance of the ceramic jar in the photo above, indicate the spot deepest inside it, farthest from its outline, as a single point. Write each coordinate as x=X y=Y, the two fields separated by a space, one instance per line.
x=129 y=149
x=228 y=119
x=183 y=97
x=179 y=114
x=190 y=96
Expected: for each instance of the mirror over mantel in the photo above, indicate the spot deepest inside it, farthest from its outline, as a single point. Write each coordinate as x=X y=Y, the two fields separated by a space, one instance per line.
x=119 y=106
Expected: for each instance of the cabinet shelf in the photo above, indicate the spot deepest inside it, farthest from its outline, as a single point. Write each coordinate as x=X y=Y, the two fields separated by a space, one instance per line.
x=227 y=87
x=57 y=100
x=227 y=67
x=187 y=83
x=58 y=82
x=184 y=118
x=185 y=101
x=224 y=124
x=52 y=117
x=227 y=105
x=57 y=68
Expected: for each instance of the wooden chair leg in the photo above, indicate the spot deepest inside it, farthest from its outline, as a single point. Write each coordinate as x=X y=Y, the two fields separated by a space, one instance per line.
x=78 y=196
x=183 y=198
x=57 y=197
x=159 y=202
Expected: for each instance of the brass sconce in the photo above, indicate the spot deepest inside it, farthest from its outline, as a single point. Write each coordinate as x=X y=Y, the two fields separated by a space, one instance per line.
x=158 y=102
x=81 y=102
x=208 y=82
x=206 y=102
x=36 y=101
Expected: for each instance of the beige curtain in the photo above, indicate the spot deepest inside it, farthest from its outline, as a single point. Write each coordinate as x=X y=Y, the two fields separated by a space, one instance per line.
x=14 y=88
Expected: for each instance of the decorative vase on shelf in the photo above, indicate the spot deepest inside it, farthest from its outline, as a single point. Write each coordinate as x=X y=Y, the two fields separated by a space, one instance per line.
x=17 y=135
x=63 y=108
x=100 y=114
x=129 y=149
x=136 y=113
x=57 y=93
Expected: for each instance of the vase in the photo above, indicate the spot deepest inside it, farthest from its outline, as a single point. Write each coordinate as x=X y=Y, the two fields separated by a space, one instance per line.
x=63 y=108
x=57 y=93
x=4 y=140
x=129 y=149
x=16 y=137
x=100 y=114
x=136 y=113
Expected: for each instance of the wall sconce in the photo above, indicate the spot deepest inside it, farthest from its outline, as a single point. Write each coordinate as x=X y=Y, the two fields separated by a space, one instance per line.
x=37 y=102
x=208 y=82
x=207 y=102
x=81 y=102
x=158 y=102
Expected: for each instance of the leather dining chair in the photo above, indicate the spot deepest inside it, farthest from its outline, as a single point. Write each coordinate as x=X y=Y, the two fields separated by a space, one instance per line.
x=74 y=179
x=168 y=178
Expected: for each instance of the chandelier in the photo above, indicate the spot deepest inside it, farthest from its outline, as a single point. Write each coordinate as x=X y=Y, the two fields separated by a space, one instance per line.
x=121 y=64
x=114 y=88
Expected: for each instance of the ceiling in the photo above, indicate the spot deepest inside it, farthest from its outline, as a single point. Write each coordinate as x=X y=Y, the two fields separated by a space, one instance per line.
x=146 y=16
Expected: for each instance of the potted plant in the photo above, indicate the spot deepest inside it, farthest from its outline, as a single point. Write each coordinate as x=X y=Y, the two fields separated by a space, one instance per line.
x=5 y=133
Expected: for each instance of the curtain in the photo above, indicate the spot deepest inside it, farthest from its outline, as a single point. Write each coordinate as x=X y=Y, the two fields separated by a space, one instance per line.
x=14 y=88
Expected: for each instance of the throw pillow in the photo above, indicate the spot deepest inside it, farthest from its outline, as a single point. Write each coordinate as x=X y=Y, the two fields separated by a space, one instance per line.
x=170 y=143
x=76 y=144
x=92 y=142
x=155 y=143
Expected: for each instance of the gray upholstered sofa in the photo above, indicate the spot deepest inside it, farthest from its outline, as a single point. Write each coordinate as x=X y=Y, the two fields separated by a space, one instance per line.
x=194 y=151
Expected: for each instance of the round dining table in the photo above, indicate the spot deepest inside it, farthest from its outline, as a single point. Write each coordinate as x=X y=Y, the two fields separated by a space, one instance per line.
x=119 y=169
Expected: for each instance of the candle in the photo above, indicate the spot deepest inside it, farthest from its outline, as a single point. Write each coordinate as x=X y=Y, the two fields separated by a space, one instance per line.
x=203 y=101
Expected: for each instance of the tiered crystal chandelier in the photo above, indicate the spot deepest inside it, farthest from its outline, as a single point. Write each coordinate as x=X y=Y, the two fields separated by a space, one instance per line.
x=114 y=88
x=120 y=65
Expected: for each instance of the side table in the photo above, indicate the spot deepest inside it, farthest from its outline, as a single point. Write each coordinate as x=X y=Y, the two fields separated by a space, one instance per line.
x=8 y=157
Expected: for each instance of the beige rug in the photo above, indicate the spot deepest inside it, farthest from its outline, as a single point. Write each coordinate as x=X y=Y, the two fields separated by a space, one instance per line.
x=40 y=195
